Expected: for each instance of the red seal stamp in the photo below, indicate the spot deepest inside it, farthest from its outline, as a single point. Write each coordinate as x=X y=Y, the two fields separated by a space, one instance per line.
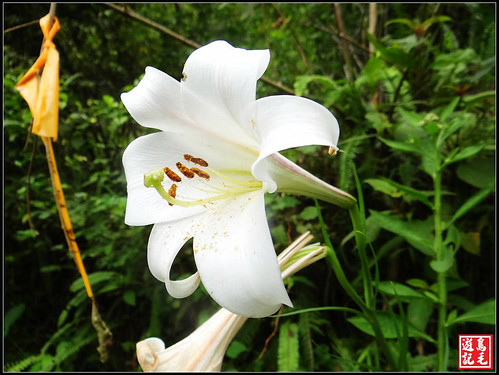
x=475 y=352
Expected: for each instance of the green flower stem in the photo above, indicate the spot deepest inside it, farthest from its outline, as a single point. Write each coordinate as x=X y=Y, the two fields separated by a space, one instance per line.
x=360 y=239
x=441 y=277
x=368 y=313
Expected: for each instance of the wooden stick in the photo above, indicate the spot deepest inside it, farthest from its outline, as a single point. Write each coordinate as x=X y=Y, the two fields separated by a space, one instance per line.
x=104 y=335
x=344 y=44
x=372 y=24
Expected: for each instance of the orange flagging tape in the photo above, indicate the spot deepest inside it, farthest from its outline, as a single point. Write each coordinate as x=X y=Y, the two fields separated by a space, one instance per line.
x=40 y=88
x=42 y=94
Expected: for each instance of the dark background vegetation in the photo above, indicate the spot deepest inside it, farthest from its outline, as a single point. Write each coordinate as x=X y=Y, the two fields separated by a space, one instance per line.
x=104 y=53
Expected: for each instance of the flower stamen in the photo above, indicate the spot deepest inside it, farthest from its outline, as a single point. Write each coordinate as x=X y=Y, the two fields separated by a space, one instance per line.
x=172 y=192
x=172 y=175
x=194 y=160
x=200 y=173
x=184 y=170
x=228 y=183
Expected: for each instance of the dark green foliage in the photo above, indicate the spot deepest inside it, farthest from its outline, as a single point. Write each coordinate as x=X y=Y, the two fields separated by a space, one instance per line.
x=418 y=98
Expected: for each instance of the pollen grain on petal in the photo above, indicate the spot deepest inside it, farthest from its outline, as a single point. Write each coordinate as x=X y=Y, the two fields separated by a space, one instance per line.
x=200 y=173
x=184 y=170
x=172 y=175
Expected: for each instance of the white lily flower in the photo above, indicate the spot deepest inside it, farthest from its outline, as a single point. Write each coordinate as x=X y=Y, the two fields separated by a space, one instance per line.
x=204 y=175
x=204 y=349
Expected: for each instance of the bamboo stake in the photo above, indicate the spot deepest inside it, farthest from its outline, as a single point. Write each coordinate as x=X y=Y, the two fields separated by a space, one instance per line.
x=103 y=333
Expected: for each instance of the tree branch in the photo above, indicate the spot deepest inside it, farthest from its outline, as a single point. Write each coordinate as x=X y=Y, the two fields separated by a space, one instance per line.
x=137 y=17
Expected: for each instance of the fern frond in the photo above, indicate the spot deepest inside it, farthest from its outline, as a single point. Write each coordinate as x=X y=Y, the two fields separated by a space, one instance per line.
x=23 y=363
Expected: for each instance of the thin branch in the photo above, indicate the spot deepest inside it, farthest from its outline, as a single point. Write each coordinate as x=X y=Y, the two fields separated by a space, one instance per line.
x=137 y=17
x=340 y=35
x=372 y=23
x=373 y=16
x=346 y=51
x=34 y=22
x=295 y=37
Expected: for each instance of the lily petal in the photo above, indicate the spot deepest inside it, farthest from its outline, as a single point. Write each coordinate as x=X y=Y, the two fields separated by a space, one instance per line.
x=238 y=264
x=155 y=151
x=144 y=205
x=285 y=121
x=223 y=79
x=165 y=242
x=155 y=102
x=285 y=176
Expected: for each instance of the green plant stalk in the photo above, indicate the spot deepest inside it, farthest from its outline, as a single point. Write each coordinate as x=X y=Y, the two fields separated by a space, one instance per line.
x=369 y=314
x=357 y=215
x=368 y=311
x=441 y=276
x=360 y=239
x=358 y=222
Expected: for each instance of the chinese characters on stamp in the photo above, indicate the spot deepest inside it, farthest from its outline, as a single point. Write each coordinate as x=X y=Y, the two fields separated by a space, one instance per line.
x=475 y=352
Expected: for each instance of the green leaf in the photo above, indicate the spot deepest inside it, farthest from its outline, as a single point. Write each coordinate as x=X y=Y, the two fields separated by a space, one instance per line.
x=452 y=284
x=430 y=21
x=390 y=324
x=288 y=350
x=384 y=187
x=472 y=202
x=470 y=241
x=409 y=231
x=309 y=213
x=399 y=290
x=93 y=278
x=26 y=362
x=301 y=83
x=404 y=21
x=479 y=172
x=235 y=348
x=12 y=316
x=129 y=297
x=422 y=363
x=467 y=152
x=306 y=346
x=471 y=99
x=393 y=55
x=444 y=264
x=483 y=313
x=412 y=118
x=449 y=109
x=418 y=283
x=402 y=146
x=450 y=129
x=419 y=312
x=413 y=193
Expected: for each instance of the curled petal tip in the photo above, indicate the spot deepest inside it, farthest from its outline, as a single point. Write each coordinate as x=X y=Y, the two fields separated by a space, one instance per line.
x=333 y=150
